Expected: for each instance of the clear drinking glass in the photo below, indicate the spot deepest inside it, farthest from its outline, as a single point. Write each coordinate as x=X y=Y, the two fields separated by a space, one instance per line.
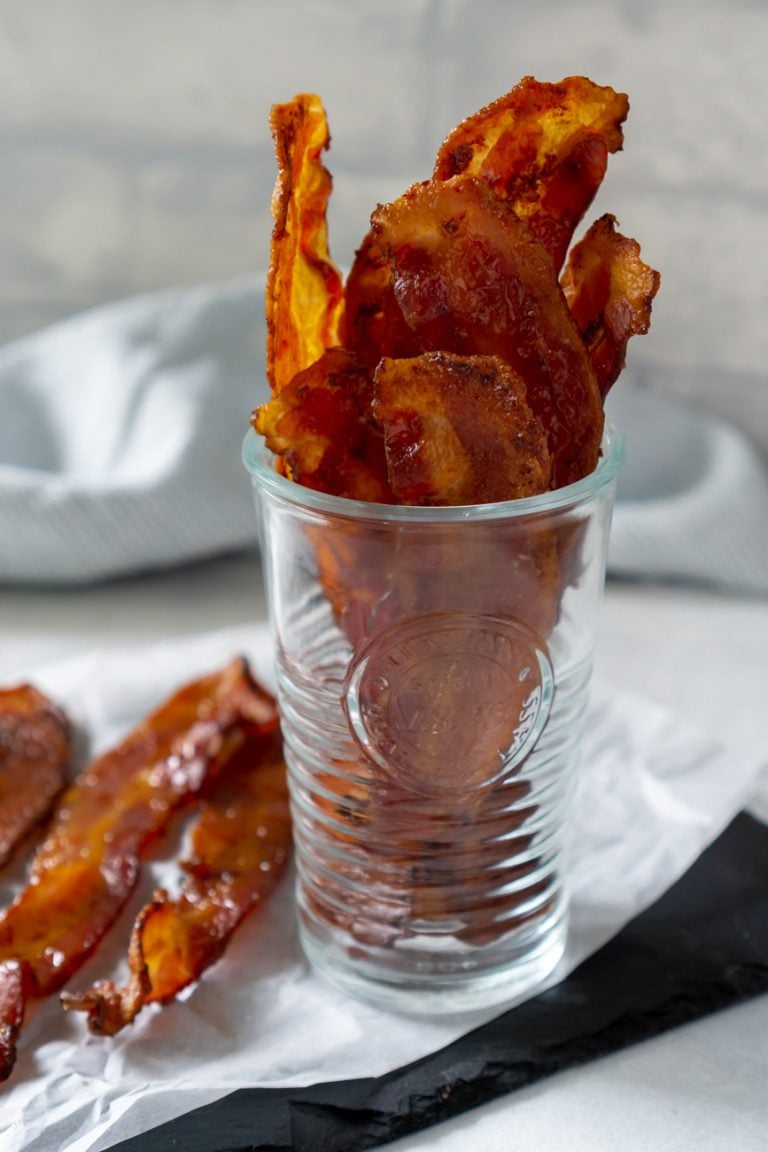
x=432 y=669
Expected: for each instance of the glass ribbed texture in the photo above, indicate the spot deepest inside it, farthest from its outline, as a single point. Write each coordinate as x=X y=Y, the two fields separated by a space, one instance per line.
x=433 y=667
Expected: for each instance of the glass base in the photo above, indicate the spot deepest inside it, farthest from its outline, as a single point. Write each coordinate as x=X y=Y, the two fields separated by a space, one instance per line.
x=443 y=986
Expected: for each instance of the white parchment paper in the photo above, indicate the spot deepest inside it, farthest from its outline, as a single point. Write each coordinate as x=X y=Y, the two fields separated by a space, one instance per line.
x=652 y=794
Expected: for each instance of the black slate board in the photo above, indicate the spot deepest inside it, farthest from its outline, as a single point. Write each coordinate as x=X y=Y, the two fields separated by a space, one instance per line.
x=701 y=947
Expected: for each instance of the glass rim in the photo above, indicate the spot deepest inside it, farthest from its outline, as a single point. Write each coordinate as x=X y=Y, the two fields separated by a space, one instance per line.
x=258 y=461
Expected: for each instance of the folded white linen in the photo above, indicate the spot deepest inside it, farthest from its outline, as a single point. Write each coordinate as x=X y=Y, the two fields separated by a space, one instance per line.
x=120 y=435
x=652 y=793
x=692 y=498
x=120 y=443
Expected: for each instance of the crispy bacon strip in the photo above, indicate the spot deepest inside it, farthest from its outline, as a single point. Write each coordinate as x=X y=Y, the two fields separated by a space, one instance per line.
x=35 y=747
x=543 y=147
x=609 y=291
x=87 y=867
x=458 y=430
x=373 y=325
x=240 y=847
x=304 y=289
x=320 y=425
x=470 y=278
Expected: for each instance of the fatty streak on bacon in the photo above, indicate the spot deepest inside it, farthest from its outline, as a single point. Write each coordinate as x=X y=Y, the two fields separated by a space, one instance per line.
x=609 y=292
x=544 y=148
x=471 y=279
x=458 y=430
x=35 y=748
x=304 y=297
x=87 y=867
x=240 y=847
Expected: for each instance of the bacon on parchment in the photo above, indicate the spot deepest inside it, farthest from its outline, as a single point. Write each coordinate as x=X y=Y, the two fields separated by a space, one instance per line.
x=35 y=747
x=240 y=845
x=87 y=867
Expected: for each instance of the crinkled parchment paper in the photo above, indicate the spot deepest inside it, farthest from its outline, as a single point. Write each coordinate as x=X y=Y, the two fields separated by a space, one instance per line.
x=652 y=793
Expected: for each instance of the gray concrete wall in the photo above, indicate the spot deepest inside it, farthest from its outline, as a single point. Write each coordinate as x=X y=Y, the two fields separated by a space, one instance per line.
x=135 y=151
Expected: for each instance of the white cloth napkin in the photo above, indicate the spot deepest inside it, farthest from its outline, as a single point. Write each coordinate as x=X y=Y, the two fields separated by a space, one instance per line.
x=692 y=498
x=120 y=434
x=652 y=794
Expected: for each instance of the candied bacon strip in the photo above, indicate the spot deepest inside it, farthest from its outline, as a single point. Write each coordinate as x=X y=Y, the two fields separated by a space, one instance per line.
x=320 y=426
x=240 y=847
x=544 y=147
x=321 y=429
x=458 y=430
x=35 y=748
x=609 y=292
x=373 y=325
x=304 y=296
x=87 y=867
x=471 y=279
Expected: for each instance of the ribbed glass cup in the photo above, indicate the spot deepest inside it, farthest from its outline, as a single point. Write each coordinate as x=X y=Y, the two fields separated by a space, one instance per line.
x=432 y=668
